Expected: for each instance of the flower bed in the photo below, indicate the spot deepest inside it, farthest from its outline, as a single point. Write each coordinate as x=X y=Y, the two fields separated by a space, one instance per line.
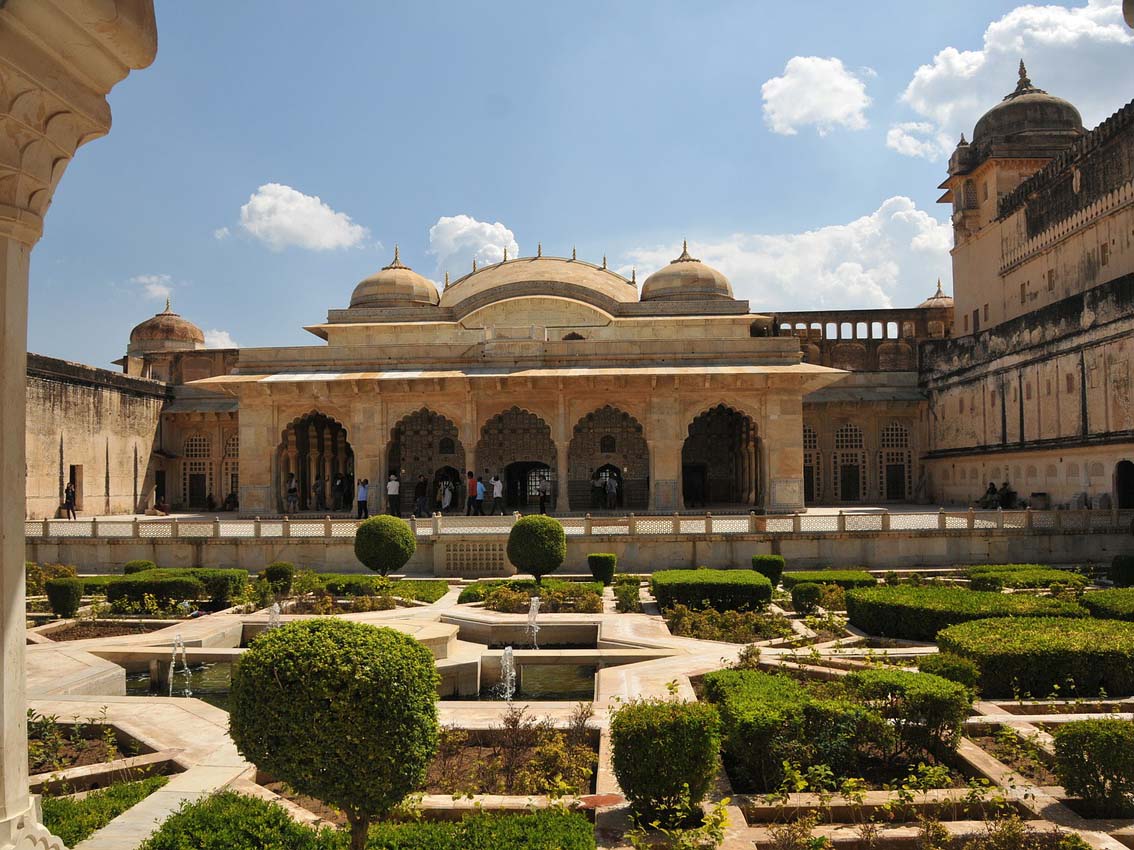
x=728 y=626
x=845 y=579
x=477 y=591
x=724 y=590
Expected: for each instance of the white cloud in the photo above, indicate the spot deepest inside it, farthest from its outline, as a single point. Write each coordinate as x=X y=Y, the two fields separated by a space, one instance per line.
x=221 y=233
x=280 y=216
x=456 y=239
x=815 y=91
x=1068 y=51
x=918 y=138
x=889 y=258
x=219 y=339
x=154 y=285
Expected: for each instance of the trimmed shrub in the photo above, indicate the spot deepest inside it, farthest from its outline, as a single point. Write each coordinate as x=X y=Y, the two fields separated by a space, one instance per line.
x=221 y=586
x=1122 y=570
x=138 y=565
x=347 y=584
x=1018 y=576
x=951 y=667
x=279 y=576
x=96 y=584
x=627 y=598
x=163 y=587
x=75 y=820
x=805 y=597
x=479 y=590
x=1037 y=655
x=344 y=712
x=919 y=613
x=769 y=566
x=724 y=590
x=1117 y=604
x=550 y=829
x=664 y=754
x=65 y=595
x=602 y=567
x=421 y=589
x=537 y=544
x=845 y=579
x=35 y=575
x=1094 y=760
x=384 y=544
x=926 y=711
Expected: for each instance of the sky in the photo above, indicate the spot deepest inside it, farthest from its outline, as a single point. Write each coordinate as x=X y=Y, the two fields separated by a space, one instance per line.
x=277 y=150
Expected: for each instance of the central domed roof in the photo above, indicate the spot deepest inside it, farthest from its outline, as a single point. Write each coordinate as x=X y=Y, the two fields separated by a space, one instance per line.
x=937 y=299
x=166 y=331
x=396 y=285
x=1029 y=111
x=686 y=279
x=539 y=275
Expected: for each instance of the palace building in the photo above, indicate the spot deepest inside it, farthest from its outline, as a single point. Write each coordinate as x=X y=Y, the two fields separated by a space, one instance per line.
x=554 y=368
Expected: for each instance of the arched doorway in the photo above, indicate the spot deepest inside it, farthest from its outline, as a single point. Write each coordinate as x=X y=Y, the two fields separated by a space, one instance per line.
x=895 y=467
x=848 y=465
x=598 y=483
x=426 y=443
x=517 y=445
x=315 y=448
x=1124 y=484
x=720 y=460
x=457 y=498
x=609 y=439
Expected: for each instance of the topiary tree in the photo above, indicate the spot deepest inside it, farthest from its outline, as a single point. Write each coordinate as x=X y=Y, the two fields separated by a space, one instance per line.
x=805 y=597
x=384 y=544
x=280 y=576
x=602 y=566
x=770 y=566
x=344 y=712
x=65 y=595
x=537 y=545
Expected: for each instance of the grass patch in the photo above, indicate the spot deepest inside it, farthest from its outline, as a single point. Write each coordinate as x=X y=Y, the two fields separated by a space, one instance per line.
x=76 y=820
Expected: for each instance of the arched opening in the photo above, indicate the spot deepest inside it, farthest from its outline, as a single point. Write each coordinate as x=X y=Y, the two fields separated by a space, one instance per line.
x=607 y=487
x=896 y=463
x=720 y=460
x=848 y=465
x=450 y=498
x=811 y=482
x=614 y=440
x=1124 y=484
x=517 y=445
x=425 y=443
x=197 y=482
x=314 y=449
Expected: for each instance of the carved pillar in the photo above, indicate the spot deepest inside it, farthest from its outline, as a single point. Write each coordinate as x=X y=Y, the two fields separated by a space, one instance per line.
x=56 y=68
x=563 y=498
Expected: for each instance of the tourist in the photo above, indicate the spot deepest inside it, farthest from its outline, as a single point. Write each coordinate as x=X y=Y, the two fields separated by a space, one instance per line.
x=292 y=490
x=611 y=492
x=319 y=493
x=470 y=503
x=597 y=490
x=363 y=496
x=544 y=490
x=69 y=499
x=1006 y=496
x=448 y=488
x=394 y=496
x=497 y=495
x=338 y=491
x=990 y=499
x=480 y=493
x=421 y=497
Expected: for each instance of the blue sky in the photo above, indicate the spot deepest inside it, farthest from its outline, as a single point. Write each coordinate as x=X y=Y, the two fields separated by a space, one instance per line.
x=276 y=151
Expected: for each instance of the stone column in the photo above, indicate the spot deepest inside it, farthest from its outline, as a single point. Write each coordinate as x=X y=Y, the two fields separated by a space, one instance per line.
x=563 y=498
x=56 y=68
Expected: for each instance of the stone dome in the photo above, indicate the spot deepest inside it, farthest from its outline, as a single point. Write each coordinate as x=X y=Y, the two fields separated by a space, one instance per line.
x=937 y=299
x=396 y=285
x=166 y=331
x=1029 y=111
x=686 y=279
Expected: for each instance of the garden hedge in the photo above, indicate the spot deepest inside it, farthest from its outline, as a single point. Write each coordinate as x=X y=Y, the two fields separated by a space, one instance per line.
x=65 y=595
x=724 y=590
x=769 y=566
x=478 y=590
x=1094 y=760
x=384 y=543
x=926 y=711
x=1116 y=604
x=165 y=589
x=919 y=613
x=1122 y=570
x=602 y=566
x=138 y=565
x=949 y=666
x=537 y=544
x=1040 y=655
x=846 y=579
x=1021 y=576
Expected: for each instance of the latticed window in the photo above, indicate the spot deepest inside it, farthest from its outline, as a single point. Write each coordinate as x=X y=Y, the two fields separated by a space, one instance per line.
x=895 y=463
x=606 y=444
x=895 y=436
x=848 y=437
x=812 y=479
x=810 y=439
x=232 y=446
x=446 y=446
x=198 y=445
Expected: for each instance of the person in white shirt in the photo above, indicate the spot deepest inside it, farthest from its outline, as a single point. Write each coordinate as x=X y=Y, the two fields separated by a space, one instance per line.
x=497 y=495
x=544 y=494
x=394 y=496
x=363 y=495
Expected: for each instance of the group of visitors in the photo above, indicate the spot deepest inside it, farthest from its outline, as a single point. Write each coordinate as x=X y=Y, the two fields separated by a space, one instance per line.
x=340 y=487
x=993 y=498
x=604 y=492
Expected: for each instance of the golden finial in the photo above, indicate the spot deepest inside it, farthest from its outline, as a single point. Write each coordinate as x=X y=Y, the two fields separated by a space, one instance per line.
x=572 y=252
x=604 y=261
x=539 y=249
x=396 y=258
x=684 y=246
x=1023 y=70
x=474 y=264
x=939 y=293
x=446 y=280
x=505 y=253
x=685 y=258
x=168 y=309
x=634 y=276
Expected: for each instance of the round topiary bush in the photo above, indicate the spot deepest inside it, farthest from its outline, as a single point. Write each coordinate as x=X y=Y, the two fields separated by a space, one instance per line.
x=65 y=595
x=963 y=671
x=344 y=712
x=384 y=544
x=537 y=545
x=279 y=576
x=805 y=597
x=138 y=565
x=602 y=567
x=664 y=753
x=769 y=566
x=1094 y=760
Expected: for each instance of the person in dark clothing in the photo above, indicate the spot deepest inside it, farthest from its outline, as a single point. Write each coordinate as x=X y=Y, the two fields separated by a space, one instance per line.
x=69 y=500
x=338 y=491
x=421 y=497
x=363 y=497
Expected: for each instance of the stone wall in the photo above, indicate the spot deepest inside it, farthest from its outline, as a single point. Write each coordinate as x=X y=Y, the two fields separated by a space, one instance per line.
x=99 y=424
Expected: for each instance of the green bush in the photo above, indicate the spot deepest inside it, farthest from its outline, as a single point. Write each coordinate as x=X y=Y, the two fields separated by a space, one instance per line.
x=75 y=820
x=727 y=626
x=550 y=829
x=1117 y=604
x=1094 y=760
x=344 y=712
x=138 y=565
x=421 y=589
x=1122 y=571
x=279 y=576
x=664 y=754
x=627 y=598
x=96 y=584
x=165 y=588
x=724 y=590
x=602 y=566
x=384 y=544
x=221 y=586
x=769 y=566
x=537 y=545
x=35 y=575
x=352 y=584
x=845 y=579
x=919 y=613
x=951 y=667
x=805 y=597
x=555 y=598
x=65 y=595
x=1018 y=576
x=926 y=711
x=478 y=591
x=1041 y=655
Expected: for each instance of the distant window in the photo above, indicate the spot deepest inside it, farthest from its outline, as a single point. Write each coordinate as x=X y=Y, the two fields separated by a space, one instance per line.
x=965 y=319
x=1047 y=387
x=1023 y=292
x=986 y=312
x=992 y=398
x=1104 y=253
x=198 y=445
x=1051 y=280
x=1070 y=383
x=606 y=444
x=984 y=191
x=970 y=195
x=446 y=446
x=1027 y=392
x=960 y=405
